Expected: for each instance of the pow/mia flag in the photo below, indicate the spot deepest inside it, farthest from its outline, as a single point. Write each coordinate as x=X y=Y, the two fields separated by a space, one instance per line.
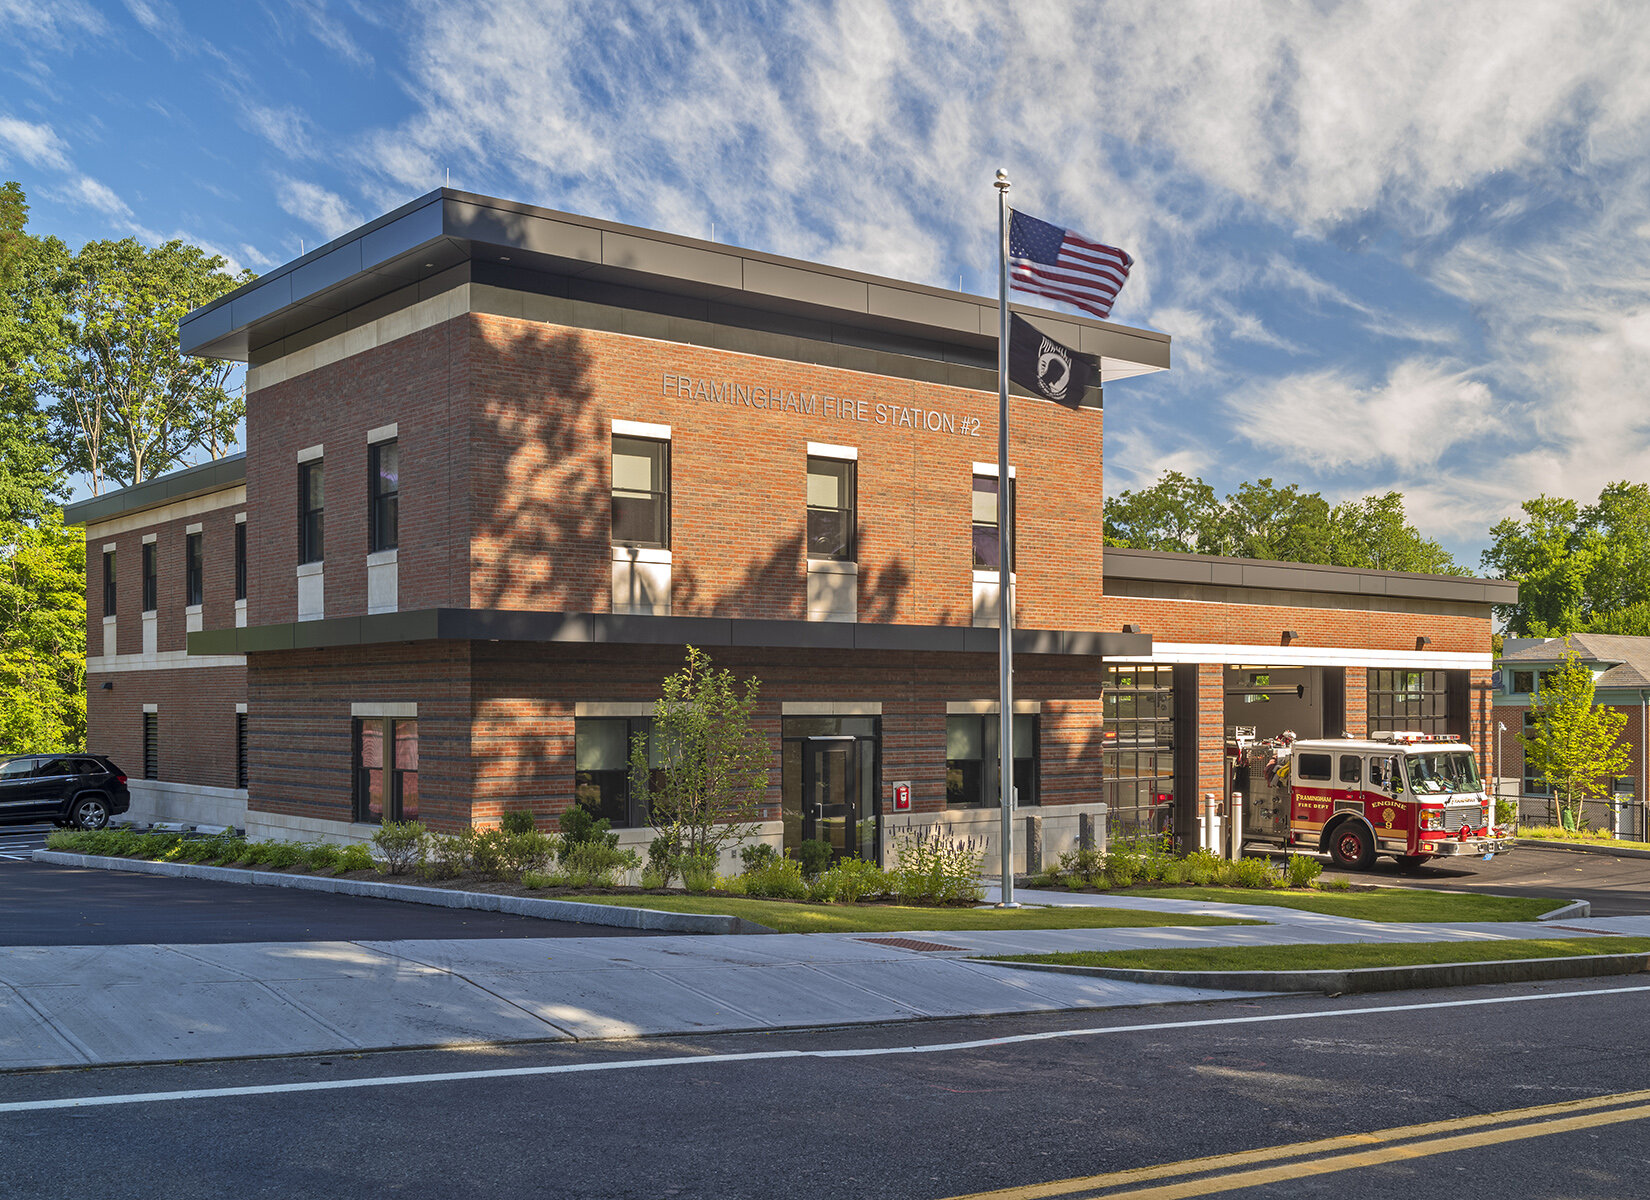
x=1045 y=368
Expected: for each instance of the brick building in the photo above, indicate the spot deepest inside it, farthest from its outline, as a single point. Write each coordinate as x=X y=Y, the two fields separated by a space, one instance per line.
x=504 y=464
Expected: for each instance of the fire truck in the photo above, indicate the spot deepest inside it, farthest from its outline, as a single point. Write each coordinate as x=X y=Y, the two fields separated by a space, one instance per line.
x=1410 y=796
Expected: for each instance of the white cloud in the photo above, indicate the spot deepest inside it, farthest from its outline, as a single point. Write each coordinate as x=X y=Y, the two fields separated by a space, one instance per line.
x=1324 y=421
x=286 y=128
x=324 y=210
x=331 y=32
x=52 y=24
x=37 y=145
x=99 y=196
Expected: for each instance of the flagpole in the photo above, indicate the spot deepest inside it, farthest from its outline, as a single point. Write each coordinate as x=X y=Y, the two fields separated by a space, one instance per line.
x=1005 y=550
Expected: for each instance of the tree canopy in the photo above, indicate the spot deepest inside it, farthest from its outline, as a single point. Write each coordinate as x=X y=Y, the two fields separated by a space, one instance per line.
x=1262 y=520
x=1580 y=568
x=1574 y=744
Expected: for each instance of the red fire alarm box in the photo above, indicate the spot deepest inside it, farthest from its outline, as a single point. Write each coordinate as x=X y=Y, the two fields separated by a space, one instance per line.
x=902 y=797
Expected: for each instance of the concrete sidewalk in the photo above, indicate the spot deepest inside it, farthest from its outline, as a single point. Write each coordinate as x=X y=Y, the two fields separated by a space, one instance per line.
x=76 y=1005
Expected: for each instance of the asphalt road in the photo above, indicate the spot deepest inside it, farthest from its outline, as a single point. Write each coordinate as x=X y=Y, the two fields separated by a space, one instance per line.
x=1615 y=887
x=44 y=905
x=692 y=1118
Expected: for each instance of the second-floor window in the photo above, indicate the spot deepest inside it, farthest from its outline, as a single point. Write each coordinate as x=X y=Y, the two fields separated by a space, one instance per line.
x=151 y=585
x=240 y=560
x=831 y=508
x=641 y=492
x=311 y=511
x=384 y=465
x=108 y=583
x=987 y=537
x=193 y=573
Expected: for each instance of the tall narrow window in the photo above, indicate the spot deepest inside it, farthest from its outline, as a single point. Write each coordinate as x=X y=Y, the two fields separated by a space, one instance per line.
x=987 y=537
x=311 y=511
x=193 y=573
x=240 y=750
x=151 y=745
x=831 y=509
x=641 y=492
x=384 y=463
x=240 y=560
x=151 y=585
x=108 y=583
x=386 y=769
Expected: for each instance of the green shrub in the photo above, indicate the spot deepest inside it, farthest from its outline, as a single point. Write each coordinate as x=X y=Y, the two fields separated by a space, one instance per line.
x=1506 y=812
x=814 y=855
x=777 y=878
x=158 y=845
x=753 y=855
x=322 y=856
x=1301 y=870
x=663 y=859
x=194 y=850
x=1123 y=867
x=823 y=888
x=733 y=885
x=500 y=855
x=932 y=867
x=851 y=879
x=447 y=855
x=66 y=840
x=596 y=864
x=698 y=872
x=284 y=854
x=652 y=879
x=1251 y=873
x=1081 y=868
x=355 y=857
x=535 y=880
x=402 y=845
x=580 y=825
x=1334 y=885
x=252 y=855
x=1202 y=867
x=518 y=821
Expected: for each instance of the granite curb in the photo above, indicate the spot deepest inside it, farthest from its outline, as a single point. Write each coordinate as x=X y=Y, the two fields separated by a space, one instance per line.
x=1586 y=847
x=1363 y=979
x=616 y=915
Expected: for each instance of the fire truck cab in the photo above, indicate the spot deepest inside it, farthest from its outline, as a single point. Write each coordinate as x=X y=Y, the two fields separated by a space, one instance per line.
x=1410 y=796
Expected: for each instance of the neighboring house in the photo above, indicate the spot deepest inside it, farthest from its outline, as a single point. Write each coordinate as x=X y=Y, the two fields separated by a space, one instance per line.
x=503 y=464
x=1621 y=679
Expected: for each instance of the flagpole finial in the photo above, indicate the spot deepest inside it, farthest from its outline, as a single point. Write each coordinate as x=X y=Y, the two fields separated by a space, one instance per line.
x=1002 y=180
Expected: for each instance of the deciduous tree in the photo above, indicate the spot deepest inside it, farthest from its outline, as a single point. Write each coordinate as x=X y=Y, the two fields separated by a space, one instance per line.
x=1574 y=744
x=711 y=777
x=42 y=635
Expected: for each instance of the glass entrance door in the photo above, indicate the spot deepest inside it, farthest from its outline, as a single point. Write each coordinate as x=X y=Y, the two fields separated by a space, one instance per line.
x=830 y=793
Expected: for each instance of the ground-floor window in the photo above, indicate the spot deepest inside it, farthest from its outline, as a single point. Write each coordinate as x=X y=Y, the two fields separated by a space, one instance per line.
x=151 y=745
x=1408 y=700
x=1137 y=761
x=973 y=760
x=601 y=764
x=386 y=769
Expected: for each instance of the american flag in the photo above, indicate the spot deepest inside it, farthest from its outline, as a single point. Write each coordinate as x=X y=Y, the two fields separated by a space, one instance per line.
x=1063 y=265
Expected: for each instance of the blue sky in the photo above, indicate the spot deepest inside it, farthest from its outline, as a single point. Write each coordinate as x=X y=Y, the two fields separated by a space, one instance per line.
x=1398 y=245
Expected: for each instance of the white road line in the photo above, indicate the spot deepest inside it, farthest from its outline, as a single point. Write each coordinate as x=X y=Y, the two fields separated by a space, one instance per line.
x=634 y=1064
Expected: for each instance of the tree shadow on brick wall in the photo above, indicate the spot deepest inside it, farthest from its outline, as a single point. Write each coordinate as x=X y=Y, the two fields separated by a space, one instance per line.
x=539 y=489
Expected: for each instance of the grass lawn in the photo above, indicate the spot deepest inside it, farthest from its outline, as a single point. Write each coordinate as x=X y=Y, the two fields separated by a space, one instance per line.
x=1336 y=957
x=1375 y=904
x=1552 y=833
x=788 y=917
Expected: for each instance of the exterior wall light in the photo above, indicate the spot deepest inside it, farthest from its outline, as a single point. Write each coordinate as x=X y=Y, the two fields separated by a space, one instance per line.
x=1131 y=629
x=1289 y=635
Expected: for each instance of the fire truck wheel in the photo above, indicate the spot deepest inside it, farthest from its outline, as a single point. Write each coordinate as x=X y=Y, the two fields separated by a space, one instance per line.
x=1410 y=862
x=1351 y=847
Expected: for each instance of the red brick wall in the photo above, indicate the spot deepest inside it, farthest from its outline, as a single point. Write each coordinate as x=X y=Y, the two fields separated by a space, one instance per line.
x=1357 y=701
x=544 y=400
x=418 y=383
x=196 y=721
x=1263 y=624
x=300 y=753
x=1211 y=732
x=218 y=580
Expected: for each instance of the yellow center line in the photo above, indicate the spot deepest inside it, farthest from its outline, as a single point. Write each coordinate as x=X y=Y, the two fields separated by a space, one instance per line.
x=1523 y=1122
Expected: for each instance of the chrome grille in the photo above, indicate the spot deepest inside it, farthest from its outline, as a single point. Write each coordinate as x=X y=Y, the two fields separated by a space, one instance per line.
x=1455 y=818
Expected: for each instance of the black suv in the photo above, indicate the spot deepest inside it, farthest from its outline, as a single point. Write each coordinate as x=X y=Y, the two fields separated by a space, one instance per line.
x=83 y=790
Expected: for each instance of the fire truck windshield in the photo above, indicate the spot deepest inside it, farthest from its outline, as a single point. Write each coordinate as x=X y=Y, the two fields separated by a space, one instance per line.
x=1444 y=771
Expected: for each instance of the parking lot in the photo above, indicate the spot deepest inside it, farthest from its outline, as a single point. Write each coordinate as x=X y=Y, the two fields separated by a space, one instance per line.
x=43 y=905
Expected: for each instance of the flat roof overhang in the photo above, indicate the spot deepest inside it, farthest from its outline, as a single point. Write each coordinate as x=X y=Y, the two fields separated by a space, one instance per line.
x=504 y=625
x=442 y=238
x=1159 y=566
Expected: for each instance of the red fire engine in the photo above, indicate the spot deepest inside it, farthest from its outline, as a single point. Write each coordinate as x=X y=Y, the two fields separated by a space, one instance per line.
x=1411 y=796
